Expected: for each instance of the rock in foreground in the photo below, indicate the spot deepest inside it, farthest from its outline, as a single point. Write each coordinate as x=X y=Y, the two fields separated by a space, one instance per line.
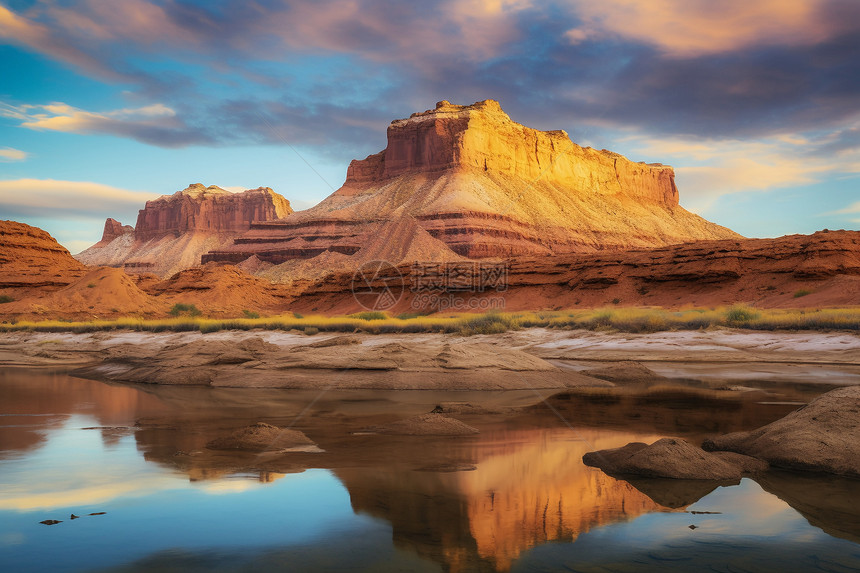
x=822 y=436
x=260 y=437
x=427 y=425
x=672 y=458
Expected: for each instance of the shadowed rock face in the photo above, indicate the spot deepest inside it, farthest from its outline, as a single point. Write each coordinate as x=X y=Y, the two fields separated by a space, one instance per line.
x=486 y=186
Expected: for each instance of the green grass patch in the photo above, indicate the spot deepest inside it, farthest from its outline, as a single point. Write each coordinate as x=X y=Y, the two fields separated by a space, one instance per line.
x=369 y=315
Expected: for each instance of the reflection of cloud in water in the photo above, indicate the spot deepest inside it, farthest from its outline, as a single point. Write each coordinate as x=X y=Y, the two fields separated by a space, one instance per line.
x=231 y=485
x=746 y=510
x=75 y=468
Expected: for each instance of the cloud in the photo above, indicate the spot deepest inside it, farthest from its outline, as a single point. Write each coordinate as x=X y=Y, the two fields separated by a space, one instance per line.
x=332 y=73
x=374 y=29
x=690 y=28
x=155 y=124
x=43 y=38
x=849 y=210
x=8 y=154
x=52 y=198
x=707 y=169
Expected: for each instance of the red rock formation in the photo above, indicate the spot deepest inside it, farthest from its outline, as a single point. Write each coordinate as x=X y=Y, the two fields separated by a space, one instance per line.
x=30 y=258
x=486 y=186
x=174 y=230
x=818 y=270
x=209 y=210
x=113 y=230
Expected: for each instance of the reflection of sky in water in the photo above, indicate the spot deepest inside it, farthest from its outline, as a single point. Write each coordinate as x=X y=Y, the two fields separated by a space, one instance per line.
x=150 y=509
x=755 y=531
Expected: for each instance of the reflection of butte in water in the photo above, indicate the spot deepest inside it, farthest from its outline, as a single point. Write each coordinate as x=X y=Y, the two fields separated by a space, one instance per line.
x=530 y=487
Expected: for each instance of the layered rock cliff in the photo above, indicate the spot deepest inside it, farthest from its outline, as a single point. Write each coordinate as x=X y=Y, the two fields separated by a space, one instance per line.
x=486 y=186
x=32 y=258
x=208 y=210
x=173 y=231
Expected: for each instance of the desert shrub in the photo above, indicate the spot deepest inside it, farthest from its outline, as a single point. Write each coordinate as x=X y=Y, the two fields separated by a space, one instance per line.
x=5 y=298
x=802 y=292
x=616 y=300
x=601 y=319
x=369 y=315
x=297 y=315
x=311 y=330
x=250 y=314
x=179 y=308
x=91 y=285
x=489 y=323
x=740 y=314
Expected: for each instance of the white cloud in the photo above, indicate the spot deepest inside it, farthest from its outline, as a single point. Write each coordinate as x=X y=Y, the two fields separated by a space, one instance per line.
x=8 y=154
x=707 y=169
x=156 y=124
x=46 y=197
x=849 y=210
x=689 y=28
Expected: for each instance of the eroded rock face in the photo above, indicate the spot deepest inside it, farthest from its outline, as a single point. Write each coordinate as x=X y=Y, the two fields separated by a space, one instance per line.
x=482 y=137
x=485 y=186
x=173 y=231
x=113 y=230
x=767 y=273
x=30 y=257
x=209 y=210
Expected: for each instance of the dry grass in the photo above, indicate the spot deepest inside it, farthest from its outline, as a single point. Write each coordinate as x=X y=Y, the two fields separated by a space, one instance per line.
x=612 y=319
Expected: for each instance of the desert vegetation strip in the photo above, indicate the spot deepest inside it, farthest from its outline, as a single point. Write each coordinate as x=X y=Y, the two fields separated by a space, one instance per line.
x=610 y=319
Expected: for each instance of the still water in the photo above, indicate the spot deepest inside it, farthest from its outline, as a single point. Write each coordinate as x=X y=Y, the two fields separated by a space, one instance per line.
x=515 y=497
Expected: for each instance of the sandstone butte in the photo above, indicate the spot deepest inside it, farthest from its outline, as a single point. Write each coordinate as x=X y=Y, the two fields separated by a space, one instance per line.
x=173 y=231
x=467 y=181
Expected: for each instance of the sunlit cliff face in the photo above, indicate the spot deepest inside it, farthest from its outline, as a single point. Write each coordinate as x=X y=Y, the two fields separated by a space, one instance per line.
x=528 y=487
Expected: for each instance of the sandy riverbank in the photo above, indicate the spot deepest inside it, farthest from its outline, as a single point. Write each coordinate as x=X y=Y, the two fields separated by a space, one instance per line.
x=529 y=358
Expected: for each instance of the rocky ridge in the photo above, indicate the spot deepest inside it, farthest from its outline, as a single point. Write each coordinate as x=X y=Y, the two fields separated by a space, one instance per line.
x=822 y=269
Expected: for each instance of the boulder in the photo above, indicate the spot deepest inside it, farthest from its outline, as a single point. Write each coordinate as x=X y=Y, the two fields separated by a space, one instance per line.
x=671 y=458
x=822 y=436
x=261 y=437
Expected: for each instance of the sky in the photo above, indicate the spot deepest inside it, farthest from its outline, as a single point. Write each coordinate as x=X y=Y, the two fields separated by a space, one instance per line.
x=104 y=105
